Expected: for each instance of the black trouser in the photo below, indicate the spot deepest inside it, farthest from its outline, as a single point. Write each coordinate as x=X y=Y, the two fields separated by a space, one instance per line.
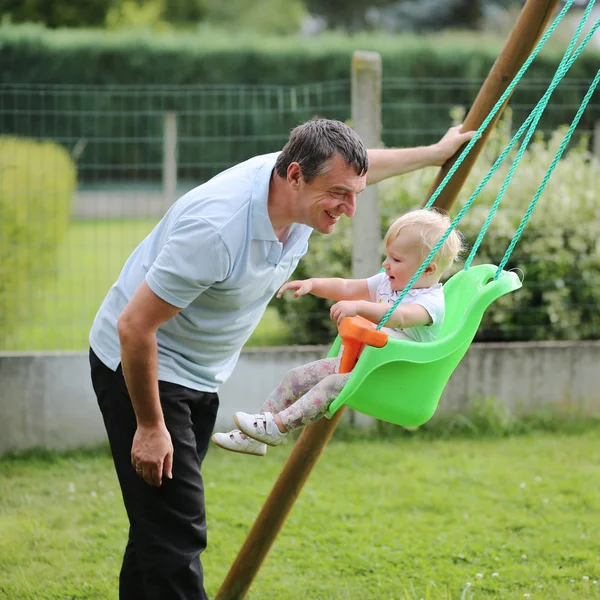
x=167 y=525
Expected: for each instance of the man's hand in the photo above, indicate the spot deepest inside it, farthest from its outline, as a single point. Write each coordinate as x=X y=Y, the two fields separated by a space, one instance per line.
x=344 y=308
x=301 y=287
x=152 y=453
x=450 y=143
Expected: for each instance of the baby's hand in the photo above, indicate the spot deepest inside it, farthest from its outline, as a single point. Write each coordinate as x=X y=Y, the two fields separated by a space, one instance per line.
x=301 y=287
x=342 y=309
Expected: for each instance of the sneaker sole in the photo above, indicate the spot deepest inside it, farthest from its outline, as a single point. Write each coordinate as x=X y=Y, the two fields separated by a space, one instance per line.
x=246 y=433
x=237 y=451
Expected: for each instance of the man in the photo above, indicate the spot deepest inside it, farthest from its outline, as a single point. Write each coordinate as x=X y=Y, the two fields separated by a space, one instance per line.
x=171 y=328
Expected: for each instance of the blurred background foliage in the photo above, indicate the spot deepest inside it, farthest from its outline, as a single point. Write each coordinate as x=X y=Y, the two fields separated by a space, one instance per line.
x=263 y=16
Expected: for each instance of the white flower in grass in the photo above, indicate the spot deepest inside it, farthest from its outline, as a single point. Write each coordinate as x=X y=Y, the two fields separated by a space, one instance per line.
x=586 y=578
x=93 y=494
x=479 y=576
x=494 y=574
x=595 y=582
x=524 y=556
x=545 y=500
x=71 y=488
x=538 y=479
x=526 y=595
x=523 y=485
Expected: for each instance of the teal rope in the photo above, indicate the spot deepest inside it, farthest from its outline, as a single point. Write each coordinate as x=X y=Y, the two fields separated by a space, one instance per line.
x=482 y=128
x=531 y=122
x=499 y=104
x=547 y=176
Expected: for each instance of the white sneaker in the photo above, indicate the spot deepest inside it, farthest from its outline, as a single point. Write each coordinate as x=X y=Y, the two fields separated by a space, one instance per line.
x=261 y=427
x=234 y=442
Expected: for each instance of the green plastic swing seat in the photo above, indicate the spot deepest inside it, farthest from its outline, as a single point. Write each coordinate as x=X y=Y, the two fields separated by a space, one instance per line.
x=402 y=382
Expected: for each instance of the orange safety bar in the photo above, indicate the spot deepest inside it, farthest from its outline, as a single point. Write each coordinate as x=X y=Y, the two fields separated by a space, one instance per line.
x=355 y=333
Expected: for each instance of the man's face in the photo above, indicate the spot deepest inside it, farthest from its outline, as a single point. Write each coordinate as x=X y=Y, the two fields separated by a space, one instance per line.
x=327 y=197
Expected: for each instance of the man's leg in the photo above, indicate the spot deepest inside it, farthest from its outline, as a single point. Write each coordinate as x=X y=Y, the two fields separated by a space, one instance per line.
x=130 y=577
x=167 y=524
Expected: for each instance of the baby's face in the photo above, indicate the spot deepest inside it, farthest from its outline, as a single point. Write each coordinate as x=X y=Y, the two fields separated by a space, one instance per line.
x=403 y=257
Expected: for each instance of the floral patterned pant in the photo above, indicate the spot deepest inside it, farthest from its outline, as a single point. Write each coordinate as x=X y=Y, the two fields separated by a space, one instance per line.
x=306 y=392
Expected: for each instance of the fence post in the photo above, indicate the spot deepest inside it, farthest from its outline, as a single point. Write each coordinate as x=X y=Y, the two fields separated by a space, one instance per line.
x=366 y=121
x=169 y=170
x=366 y=225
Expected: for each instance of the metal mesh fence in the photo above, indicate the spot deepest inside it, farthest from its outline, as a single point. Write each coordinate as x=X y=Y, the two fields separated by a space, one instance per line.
x=136 y=149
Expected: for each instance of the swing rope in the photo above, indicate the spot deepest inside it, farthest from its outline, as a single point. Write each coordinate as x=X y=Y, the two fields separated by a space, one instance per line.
x=500 y=103
x=542 y=186
x=530 y=123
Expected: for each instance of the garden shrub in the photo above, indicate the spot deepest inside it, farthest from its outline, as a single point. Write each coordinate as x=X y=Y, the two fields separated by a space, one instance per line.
x=37 y=182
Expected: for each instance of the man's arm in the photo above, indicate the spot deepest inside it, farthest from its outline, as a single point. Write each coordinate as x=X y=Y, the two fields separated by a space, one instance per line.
x=152 y=450
x=384 y=163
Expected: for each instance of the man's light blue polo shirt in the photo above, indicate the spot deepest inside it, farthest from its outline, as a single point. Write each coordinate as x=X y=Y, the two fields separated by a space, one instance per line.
x=214 y=255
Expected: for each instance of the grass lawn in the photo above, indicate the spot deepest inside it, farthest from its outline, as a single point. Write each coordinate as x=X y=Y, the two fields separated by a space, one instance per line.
x=89 y=262
x=378 y=520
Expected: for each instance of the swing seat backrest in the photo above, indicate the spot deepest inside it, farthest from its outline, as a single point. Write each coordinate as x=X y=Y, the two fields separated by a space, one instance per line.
x=403 y=381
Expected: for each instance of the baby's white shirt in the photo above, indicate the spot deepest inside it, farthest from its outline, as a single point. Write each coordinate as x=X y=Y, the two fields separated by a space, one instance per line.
x=431 y=299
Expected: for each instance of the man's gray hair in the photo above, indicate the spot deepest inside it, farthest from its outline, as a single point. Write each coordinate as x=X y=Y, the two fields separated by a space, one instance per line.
x=313 y=143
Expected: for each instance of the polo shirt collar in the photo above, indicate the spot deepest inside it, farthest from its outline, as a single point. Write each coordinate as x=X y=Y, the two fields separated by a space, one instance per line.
x=261 y=226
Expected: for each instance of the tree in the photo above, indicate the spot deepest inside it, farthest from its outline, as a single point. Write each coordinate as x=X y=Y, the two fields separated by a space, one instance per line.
x=57 y=13
x=430 y=15
x=184 y=12
x=281 y=17
x=405 y=15
x=351 y=15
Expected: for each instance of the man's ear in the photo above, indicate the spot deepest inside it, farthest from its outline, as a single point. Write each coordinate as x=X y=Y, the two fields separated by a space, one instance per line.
x=294 y=174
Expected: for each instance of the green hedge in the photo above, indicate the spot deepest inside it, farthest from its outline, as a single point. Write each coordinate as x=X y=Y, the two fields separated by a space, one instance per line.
x=128 y=119
x=32 y=54
x=37 y=182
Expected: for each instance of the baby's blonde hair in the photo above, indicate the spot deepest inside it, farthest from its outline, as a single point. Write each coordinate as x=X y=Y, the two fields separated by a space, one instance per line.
x=433 y=224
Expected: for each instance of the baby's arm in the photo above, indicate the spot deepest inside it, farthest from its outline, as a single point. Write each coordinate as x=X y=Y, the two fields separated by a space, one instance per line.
x=406 y=315
x=332 y=288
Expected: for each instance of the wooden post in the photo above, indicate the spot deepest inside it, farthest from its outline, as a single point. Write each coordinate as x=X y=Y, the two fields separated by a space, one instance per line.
x=170 y=159
x=366 y=224
x=366 y=121
x=314 y=438
x=526 y=33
